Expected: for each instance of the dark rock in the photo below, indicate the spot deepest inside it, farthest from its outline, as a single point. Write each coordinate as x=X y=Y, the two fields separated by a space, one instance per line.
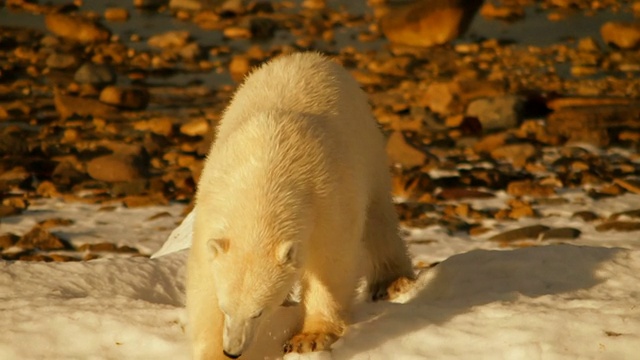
x=455 y=194
x=125 y=97
x=561 y=233
x=587 y=216
x=8 y=240
x=619 y=226
x=527 y=232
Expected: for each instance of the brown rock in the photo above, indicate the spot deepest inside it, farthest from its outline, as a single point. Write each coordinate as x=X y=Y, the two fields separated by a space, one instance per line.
x=116 y=14
x=518 y=154
x=586 y=216
x=527 y=232
x=456 y=194
x=428 y=22
x=115 y=167
x=161 y=125
x=619 y=226
x=239 y=67
x=40 y=238
x=590 y=123
x=8 y=240
x=196 y=127
x=55 y=222
x=76 y=28
x=68 y=106
x=529 y=188
x=625 y=35
x=491 y=142
x=491 y=11
x=170 y=40
x=629 y=185
x=125 y=97
x=401 y=153
x=500 y=112
x=565 y=233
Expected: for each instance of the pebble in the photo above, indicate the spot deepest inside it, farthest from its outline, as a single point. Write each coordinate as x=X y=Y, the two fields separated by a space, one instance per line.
x=76 y=28
x=61 y=61
x=503 y=112
x=619 y=226
x=160 y=125
x=95 y=74
x=8 y=240
x=239 y=67
x=116 y=14
x=67 y=106
x=196 y=127
x=563 y=233
x=113 y=168
x=125 y=97
x=170 y=39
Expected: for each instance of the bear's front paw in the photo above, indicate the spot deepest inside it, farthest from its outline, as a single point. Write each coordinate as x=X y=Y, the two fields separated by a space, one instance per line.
x=389 y=291
x=308 y=342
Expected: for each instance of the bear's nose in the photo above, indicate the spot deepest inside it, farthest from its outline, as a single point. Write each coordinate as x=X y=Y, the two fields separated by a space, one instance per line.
x=232 y=356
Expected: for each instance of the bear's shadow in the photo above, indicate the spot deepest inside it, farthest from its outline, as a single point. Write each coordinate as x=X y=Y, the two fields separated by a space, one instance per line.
x=472 y=279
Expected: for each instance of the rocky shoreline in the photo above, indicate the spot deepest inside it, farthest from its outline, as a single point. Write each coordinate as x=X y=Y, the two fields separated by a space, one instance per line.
x=92 y=115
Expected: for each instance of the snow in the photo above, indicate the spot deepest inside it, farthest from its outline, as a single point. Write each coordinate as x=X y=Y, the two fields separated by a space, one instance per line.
x=572 y=300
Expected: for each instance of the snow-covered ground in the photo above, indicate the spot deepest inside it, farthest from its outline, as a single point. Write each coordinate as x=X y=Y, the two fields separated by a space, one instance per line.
x=575 y=300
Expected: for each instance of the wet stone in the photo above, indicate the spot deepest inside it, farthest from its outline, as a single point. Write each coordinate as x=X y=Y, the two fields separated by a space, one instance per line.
x=624 y=35
x=76 y=28
x=114 y=168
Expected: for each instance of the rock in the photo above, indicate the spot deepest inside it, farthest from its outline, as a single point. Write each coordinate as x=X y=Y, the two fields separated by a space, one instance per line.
x=588 y=44
x=116 y=14
x=624 y=35
x=126 y=97
x=503 y=112
x=76 y=28
x=190 y=52
x=518 y=154
x=441 y=97
x=192 y=5
x=490 y=142
x=196 y=127
x=239 y=67
x=619 y=226
x=565 y=233
x=170 y=39
x=262 y=27
x=527 y=232
x=630 y=185
x=68 y=106
x=115 y=167
x=633 y=214
x=587 y=216
x=96 y=74
x=590 y=124
x=7 y=210
x=161 y=126
x=428 y=22
x=509 y=13
x=401 y=153
x=61 y=61
x=149 y=3
x=99 y=247
x=237 y=32
x=13 y=142
x=456 y=194
x=8 y=240
x=55 y=222
x=529 y=188
x=40 y=238
x=66 y=173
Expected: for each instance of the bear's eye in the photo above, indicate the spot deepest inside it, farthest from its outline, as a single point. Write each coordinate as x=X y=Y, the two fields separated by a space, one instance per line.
x=257 y=315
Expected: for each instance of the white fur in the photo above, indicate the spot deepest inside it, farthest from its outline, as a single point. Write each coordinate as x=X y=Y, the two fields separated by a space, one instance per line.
x=295 y=188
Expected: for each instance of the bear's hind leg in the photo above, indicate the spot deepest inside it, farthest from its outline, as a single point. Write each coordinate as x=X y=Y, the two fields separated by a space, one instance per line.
x=390 y=270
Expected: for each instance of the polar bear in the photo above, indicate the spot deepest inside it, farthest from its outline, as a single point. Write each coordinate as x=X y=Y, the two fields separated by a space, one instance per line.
x=295 y=189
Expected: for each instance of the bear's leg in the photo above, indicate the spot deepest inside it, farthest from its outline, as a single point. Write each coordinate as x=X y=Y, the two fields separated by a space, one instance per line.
x=205 y=318
x=390 y=270
x=329 y=286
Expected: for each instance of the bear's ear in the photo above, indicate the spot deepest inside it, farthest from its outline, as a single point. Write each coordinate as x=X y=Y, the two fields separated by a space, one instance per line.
x=218 y=246
x=286 y=253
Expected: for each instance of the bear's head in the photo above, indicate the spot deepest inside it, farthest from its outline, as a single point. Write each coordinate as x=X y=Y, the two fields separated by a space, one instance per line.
x=250 y=282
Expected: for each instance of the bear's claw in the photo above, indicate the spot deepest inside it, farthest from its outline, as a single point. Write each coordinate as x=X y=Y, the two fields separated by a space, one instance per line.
x=390 y=291
x=308 y=342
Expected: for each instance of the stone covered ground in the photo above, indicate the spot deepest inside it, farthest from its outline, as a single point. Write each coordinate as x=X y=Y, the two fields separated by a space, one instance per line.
x=117 y=104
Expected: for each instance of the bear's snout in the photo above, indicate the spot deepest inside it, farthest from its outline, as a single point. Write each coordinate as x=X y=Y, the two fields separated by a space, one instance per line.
x=232 y=356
